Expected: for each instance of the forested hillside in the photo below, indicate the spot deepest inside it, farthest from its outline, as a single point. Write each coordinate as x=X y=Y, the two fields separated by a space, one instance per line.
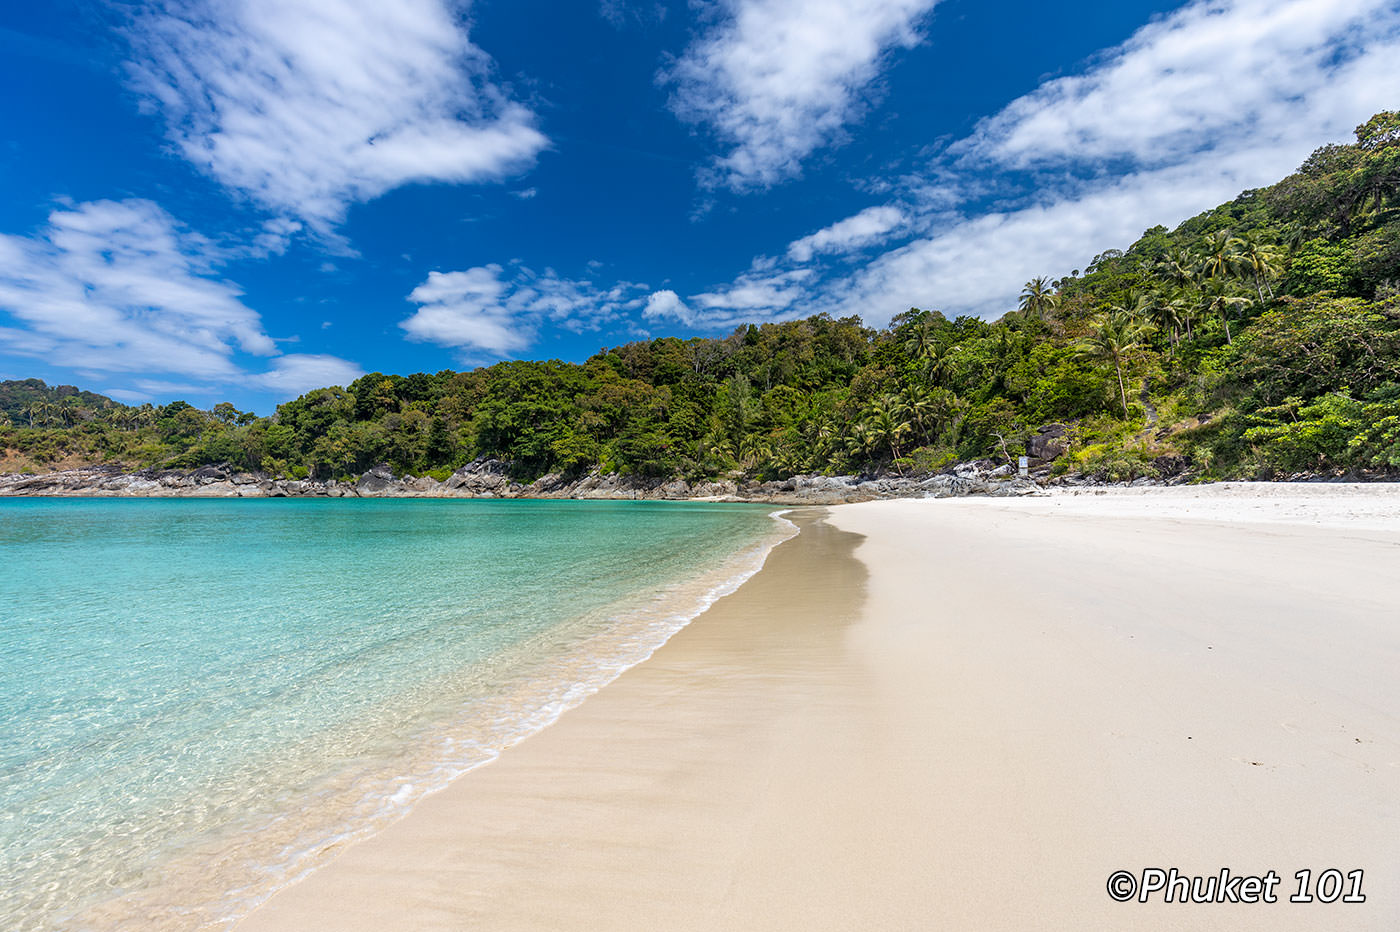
x=1257 y=339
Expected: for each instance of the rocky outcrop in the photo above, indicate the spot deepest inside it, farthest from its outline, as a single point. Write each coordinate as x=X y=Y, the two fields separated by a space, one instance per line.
x=491 y=478
x=1048 y=443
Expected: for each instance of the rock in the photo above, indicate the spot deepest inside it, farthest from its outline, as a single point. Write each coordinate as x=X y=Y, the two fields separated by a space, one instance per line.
x=481 y=477
x=677 y=489
x=376 y=481
x=1015 y=488
x=1169 y=466
x=1048 y=443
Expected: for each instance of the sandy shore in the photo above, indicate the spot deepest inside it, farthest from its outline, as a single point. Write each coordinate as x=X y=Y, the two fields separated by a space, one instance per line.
x=953 y=714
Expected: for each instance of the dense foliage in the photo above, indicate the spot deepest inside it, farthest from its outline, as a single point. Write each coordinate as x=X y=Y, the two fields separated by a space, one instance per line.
x=1259 y=338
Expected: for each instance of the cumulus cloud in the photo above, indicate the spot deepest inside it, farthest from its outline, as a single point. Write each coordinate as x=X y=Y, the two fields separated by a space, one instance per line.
x=308 y=107
x=775 y=80
x=872 y=225
x=667 y=304
x=119 y=287
x=484 y=310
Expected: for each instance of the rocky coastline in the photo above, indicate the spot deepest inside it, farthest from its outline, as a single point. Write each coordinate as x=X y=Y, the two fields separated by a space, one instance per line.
x=491 y=478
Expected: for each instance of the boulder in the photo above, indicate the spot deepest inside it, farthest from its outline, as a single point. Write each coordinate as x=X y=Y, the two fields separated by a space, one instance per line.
x=377 y=480
x=1049 y=442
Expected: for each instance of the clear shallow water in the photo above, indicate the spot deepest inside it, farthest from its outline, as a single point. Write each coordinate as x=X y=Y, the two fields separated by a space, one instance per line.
x=197 y=698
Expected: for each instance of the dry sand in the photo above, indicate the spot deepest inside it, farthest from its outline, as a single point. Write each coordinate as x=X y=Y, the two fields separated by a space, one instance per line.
x=966 y=718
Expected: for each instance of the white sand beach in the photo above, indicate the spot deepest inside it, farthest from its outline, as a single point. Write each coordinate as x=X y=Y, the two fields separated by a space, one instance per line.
x=957 y=714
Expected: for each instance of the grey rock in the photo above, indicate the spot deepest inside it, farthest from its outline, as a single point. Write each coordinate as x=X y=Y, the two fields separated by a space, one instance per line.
x=1049 y=442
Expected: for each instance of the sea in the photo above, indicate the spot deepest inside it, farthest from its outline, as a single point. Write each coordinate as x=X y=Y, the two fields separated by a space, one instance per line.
x=199 y=699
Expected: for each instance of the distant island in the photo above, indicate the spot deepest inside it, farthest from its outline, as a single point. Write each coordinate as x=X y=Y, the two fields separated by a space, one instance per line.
x=1258 y=340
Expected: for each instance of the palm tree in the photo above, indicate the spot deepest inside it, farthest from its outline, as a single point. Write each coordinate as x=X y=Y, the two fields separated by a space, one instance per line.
x=887 y=422
x=1163 y=312
x=1261 y=261
x=1218 y=255
x=920 y=410
x=860 y=441
x=1114 y=337
x=1038 y=299
x=1218 y=298
x=928 y=347
x=70 y=411
x=1178 y=267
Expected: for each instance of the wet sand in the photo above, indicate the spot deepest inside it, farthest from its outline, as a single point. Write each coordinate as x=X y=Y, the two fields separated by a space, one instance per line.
x=951 y=714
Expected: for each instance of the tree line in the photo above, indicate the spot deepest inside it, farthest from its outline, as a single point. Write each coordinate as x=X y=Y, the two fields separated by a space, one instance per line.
x=1258 y=338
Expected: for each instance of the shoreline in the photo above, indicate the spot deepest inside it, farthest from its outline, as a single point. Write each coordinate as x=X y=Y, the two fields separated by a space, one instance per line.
x=876 y=731
x=248 y=863
x=491 y=479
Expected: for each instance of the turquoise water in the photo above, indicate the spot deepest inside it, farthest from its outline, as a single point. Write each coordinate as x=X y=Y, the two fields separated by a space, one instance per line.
x=198 y=698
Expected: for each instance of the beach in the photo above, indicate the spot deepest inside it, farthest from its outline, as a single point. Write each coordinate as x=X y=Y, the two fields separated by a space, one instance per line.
x=964 y=713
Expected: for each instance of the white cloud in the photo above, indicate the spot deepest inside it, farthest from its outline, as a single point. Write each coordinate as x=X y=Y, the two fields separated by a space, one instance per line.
x=1232 y=68
x=298 y=373
x=128 y=395
x=1215 y=99
x=308 y=107
x=276 y=235
x=777 y=79
x=666 y=303
x=118 y=287
x=115 y=286
x=756 y=291
x=870 y=226
x=977 y=266
x=758 y=295
x=480 y=310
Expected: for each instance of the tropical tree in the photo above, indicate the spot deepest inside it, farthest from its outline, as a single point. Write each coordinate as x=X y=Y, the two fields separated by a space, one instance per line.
x=1114 y=337
x=1261 y=261
x=1038 y=298
x=1166 y=312
x=887 y=423
x=1219 y=298
x=927 y=346
x=1219 y=256
x=921 y=411
x=1179 y=267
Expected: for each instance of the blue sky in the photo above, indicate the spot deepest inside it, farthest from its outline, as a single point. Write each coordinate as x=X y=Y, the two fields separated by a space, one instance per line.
x=244 y=199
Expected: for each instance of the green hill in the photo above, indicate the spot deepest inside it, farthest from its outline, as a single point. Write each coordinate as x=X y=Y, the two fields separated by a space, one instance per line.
x=1261 y=338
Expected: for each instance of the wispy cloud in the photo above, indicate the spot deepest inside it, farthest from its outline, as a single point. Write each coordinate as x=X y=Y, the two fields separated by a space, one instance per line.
x=758 y=295
x=1212 y=70
x=870 y=226
x=309 y=107
x=620 y=14
x=119 y=287
x=298 y=373
x=485 y=310
x=775 y=80
x=1219 y=97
